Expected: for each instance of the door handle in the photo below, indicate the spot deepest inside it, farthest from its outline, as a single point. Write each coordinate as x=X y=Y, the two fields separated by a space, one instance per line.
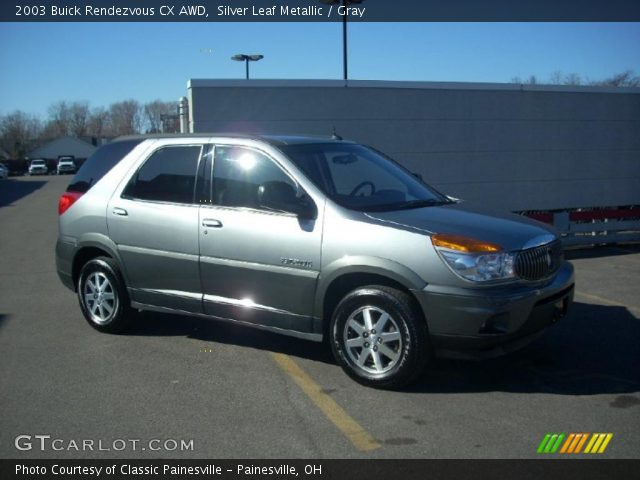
x=212 y=223
x=120 y=211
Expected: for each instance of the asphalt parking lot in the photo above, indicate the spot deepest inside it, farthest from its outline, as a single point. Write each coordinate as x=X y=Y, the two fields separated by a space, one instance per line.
x=243 y=393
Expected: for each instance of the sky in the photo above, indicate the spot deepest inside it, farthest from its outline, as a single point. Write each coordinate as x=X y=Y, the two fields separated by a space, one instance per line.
x=43 y=63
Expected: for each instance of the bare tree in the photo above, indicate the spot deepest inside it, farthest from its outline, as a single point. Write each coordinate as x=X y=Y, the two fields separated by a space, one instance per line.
x=125 y=118
x=78 y=118
x=59 y=122
x=154 y=112
x=98 y=122
x=532 y=80
x=572 y=79
x=556 y=78
x=624 y=79
x=19 y=132
x=67 y=119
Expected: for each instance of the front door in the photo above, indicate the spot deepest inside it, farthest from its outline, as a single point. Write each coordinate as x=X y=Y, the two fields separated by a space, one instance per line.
x=257 y=265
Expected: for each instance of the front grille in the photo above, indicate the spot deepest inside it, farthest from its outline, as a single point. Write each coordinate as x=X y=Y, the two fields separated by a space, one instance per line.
x=539 y=262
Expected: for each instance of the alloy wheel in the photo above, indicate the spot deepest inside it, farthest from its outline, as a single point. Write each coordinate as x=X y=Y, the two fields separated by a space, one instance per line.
x=372 y=340
x=100 y=298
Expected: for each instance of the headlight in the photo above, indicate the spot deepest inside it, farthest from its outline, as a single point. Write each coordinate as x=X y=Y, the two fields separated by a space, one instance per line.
x=473 y=259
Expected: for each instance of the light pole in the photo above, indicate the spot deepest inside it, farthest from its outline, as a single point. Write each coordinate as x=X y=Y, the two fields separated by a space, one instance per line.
x=241 y=57
x=343 y=4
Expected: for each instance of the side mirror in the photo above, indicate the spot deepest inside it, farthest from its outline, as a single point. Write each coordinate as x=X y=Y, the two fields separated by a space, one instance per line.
x=282 y=196
x=305 y=208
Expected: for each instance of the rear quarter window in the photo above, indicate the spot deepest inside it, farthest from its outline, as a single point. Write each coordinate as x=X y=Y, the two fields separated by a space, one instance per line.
x=100 y=163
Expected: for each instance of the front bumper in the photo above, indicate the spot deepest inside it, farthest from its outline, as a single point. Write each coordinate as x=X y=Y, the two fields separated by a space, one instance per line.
x=495 y=320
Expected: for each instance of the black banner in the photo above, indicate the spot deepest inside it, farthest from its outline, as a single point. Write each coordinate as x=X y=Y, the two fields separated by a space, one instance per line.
x=320 y=11
x=322 y=469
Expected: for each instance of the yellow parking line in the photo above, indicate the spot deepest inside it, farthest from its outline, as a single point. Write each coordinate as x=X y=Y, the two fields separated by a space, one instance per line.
x=600 y=299
x=351 y=429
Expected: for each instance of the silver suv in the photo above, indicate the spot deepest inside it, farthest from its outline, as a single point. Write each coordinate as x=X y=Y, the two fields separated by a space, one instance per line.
x=310 y=237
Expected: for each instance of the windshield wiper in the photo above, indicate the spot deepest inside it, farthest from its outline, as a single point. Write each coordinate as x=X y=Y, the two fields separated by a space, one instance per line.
x=389 y=207
x=425 y=202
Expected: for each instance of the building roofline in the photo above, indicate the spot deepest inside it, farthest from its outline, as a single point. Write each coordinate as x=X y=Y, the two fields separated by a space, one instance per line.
x=253 y=83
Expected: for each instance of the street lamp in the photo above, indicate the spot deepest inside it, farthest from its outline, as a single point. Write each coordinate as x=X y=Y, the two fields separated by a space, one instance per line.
x=241 y=57
x=344 y=4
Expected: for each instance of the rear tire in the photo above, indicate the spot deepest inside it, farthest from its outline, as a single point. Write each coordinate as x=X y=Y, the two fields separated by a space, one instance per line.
x=103 y=296
x=379 y=337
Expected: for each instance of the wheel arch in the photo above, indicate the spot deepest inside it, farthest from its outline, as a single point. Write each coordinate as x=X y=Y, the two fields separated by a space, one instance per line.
x=359 y=272
x=90 y=247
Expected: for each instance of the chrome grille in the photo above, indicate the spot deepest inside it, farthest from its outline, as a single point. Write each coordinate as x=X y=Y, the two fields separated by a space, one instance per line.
x=539 y=262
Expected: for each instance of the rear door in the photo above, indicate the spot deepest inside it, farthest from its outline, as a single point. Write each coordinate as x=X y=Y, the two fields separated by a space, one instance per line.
x=154 y=221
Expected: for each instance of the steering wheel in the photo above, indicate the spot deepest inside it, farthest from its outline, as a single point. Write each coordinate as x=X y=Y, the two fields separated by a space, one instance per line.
x=361 y=185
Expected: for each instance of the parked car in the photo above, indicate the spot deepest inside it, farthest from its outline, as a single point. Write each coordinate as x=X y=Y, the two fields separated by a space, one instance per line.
x=17 y=167
x=65 y=165
x=38 y=167
x=4 y=171
x=309 y=237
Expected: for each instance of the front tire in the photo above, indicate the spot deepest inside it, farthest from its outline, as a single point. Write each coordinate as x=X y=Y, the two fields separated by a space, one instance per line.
x=103 y=296
x=379 y=337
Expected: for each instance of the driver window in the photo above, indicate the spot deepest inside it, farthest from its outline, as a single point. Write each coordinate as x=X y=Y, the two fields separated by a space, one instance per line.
x=238 y=174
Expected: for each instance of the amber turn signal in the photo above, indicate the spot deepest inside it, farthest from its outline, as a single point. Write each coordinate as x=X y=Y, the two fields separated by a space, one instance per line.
x=461 y=243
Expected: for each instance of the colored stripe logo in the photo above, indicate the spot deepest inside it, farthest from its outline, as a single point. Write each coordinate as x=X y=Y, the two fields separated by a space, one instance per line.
x=573 y=443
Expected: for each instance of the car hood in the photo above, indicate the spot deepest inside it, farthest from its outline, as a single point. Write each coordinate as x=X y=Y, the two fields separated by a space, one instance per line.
x=512 y=232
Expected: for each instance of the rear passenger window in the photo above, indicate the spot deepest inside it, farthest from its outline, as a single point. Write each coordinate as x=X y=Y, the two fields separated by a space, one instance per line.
x=239 y=172
x=168 y=175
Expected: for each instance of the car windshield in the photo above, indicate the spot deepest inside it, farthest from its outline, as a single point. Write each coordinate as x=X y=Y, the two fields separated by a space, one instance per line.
x=37 y=162
x=360 y=178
